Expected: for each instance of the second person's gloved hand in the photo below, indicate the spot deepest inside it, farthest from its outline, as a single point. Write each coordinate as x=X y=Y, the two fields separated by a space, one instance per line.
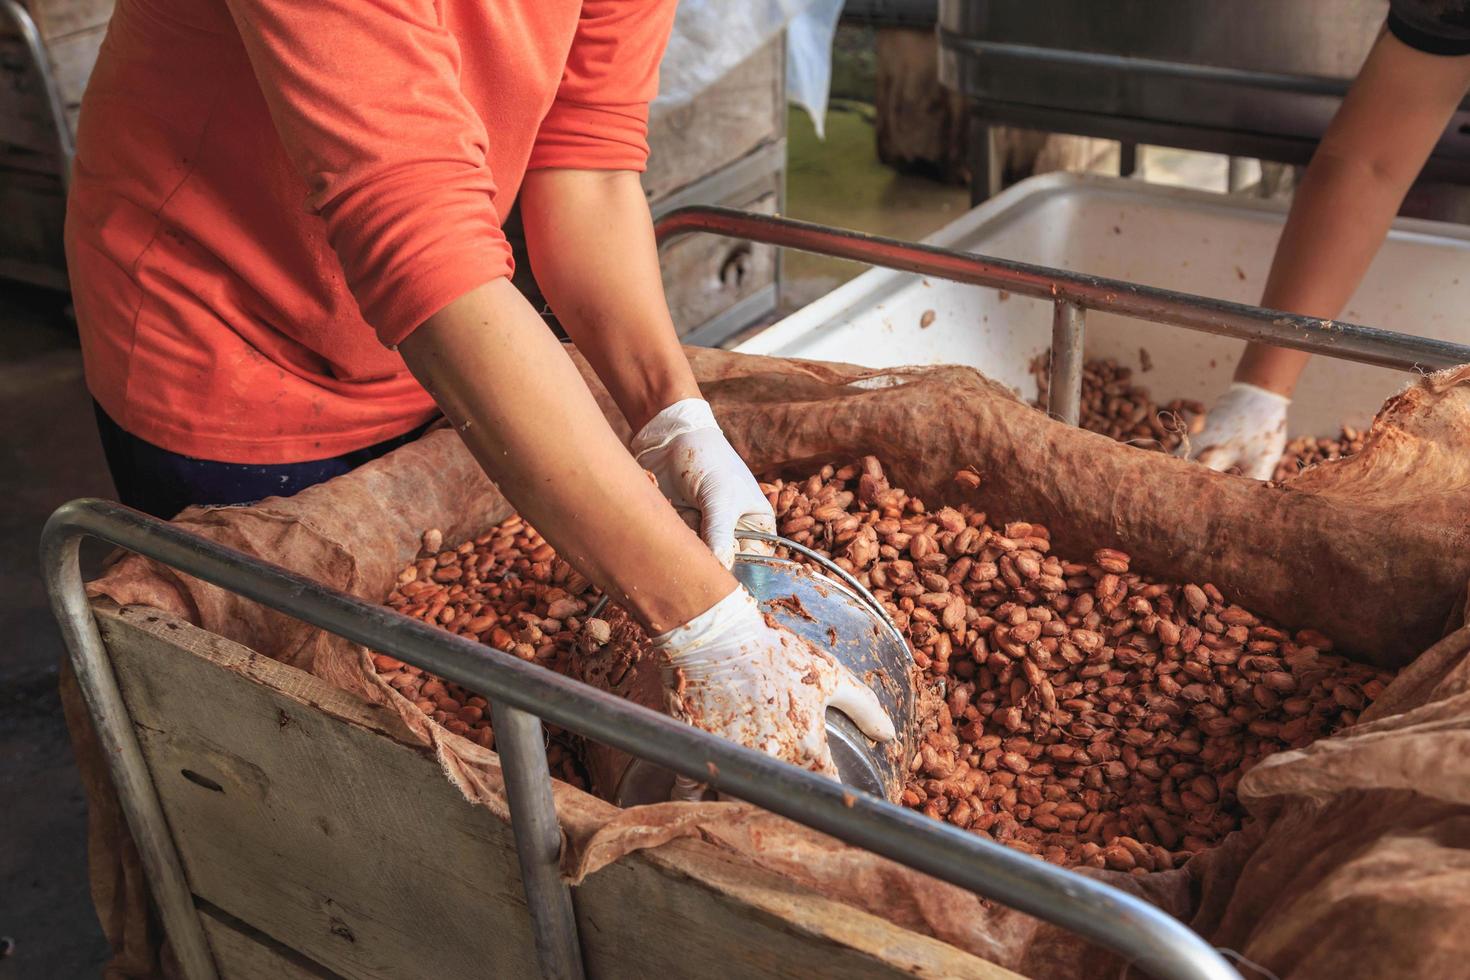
x=703 y=477
x=729 y=672
x=1245 y=429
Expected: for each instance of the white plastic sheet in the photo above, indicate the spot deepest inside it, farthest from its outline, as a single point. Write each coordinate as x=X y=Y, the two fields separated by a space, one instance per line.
x=713 y=36
x=809 y=59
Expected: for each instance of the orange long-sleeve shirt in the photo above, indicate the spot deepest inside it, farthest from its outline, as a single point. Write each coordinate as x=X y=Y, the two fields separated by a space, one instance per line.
x=270 y=194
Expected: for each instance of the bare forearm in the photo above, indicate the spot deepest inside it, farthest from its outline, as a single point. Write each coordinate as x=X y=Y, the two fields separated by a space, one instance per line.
x=591 y=242
x=1368 y=159
x=1339 y=217
x=523 y=410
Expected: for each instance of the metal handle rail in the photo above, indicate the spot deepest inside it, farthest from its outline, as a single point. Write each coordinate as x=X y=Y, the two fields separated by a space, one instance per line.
x=30 y=34
x=522 y=694
x=1074 y=293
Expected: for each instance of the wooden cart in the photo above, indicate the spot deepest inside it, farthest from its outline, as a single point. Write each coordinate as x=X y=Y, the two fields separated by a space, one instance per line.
x=318 y=840
x=288 y=827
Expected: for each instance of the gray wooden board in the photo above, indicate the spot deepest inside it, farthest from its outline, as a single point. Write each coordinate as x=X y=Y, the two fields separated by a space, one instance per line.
x=305 y=816
x=736 y=114
x=241 y=954
x=25 y=117
x=344 y=845
x=30 y=233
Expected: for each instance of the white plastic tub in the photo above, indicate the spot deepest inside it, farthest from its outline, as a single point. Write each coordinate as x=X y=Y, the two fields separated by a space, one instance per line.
x=1192 y=241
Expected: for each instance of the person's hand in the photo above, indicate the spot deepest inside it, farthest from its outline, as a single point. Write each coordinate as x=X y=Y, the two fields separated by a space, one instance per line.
x=1246 y=430
x=729 y=672
x=703 y=477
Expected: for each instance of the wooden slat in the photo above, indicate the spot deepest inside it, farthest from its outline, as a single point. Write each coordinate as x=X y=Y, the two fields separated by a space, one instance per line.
x=242 y=954
x=302 y=816
x=33 y=209
x=736 y=114
x=732 y=926
x=346 y=846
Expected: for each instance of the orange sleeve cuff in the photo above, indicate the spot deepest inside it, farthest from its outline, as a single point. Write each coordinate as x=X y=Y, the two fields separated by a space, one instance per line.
x=579 y=136
x=415 y=240
x=436 y=282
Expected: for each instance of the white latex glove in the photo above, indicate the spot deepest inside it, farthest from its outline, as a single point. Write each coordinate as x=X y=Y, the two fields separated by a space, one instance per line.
x=704 y=478
x=1246 y=429
x=729 y=672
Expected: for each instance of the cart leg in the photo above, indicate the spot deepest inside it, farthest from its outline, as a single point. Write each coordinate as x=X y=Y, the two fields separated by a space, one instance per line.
x=1064 y=399
x=518 y=740
x=1127 y=158
x=135 y=790
x=985 y=164
x=1235 y=175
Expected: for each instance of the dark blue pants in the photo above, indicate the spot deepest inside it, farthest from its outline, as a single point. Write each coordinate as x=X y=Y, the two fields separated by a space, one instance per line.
x=162 y=483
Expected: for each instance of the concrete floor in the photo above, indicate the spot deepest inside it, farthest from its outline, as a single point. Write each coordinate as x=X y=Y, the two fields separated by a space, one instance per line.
x=49 y=453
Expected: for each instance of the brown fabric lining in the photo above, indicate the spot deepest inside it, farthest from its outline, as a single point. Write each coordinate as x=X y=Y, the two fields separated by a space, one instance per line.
x=1356 y=862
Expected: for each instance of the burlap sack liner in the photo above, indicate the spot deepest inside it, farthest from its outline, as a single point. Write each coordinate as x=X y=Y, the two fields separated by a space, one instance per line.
x=1355 y=864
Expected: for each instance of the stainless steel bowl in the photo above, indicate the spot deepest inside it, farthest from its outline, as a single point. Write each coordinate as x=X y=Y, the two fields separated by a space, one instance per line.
x=835 y=613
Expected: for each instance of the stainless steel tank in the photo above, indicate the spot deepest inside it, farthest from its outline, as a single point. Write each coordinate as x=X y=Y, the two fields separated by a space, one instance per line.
x=1250 y=78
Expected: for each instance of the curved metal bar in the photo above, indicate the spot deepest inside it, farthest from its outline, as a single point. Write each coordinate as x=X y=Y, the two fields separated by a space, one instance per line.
x=55 y=104
x=61 y=566
x=1333 y=338
x=1141 y=933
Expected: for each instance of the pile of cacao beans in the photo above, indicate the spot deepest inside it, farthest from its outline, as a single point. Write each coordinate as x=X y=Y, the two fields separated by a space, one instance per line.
x=1074 y=710
x=505 y=588
x=1116 y=407
x=1080 y=712
x=1305 y=451
x=1121 y=410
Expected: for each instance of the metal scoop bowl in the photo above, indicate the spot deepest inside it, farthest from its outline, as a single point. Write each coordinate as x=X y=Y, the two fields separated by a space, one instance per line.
x=834 y=612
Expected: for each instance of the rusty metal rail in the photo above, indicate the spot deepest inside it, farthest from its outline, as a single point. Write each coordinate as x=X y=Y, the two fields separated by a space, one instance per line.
x=1075 y=293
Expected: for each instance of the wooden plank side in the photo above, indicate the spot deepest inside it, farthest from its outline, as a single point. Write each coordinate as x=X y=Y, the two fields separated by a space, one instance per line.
x=733 y=116
x=729 y=927
x=25 y=116
x=327 y=835
x=34 y=209
x=240 y=954
x=342 y=844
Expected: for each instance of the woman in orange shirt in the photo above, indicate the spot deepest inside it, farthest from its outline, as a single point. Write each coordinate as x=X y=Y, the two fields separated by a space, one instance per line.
x=285 y=242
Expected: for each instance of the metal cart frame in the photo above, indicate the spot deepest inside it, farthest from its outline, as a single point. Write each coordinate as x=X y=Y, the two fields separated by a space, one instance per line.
x=522 y=695
x=30 y=34
x=1073 y=294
